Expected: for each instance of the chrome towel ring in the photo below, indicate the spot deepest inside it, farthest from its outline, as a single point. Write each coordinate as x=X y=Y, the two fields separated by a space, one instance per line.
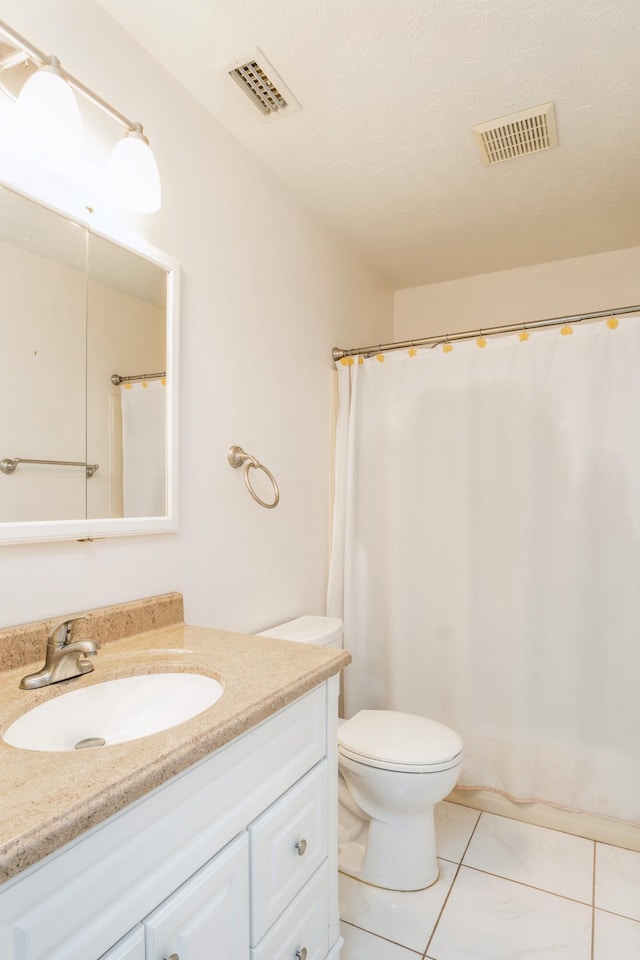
x=237 y=457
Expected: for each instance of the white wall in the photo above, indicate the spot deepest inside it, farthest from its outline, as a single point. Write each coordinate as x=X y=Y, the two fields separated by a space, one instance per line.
x=266 y=293
x=587 y=284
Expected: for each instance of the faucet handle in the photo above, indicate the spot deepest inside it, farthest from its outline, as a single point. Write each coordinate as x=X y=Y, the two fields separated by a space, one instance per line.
x=59 y=634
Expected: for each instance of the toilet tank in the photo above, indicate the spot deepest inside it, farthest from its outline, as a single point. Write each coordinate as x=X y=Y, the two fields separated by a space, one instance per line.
x=322 y=631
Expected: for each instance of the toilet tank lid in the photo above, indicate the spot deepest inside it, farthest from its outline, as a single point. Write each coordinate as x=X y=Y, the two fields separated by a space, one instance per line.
x=400 y=738
x=317 y=630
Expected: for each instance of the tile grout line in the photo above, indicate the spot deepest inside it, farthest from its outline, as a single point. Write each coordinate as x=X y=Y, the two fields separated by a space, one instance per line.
x=615 y=913
x=385 y=939
x=446 y=899
x=529 y=886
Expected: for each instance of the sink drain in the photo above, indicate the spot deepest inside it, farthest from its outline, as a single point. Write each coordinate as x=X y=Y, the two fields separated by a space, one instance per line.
x=90 y=742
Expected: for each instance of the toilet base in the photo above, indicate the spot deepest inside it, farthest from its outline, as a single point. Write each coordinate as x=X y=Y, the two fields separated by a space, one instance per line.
x=398 y=855
x=350 y=862
x=393 y=844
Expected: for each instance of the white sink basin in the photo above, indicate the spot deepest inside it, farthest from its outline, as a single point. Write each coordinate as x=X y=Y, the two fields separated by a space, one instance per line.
x=114 y=711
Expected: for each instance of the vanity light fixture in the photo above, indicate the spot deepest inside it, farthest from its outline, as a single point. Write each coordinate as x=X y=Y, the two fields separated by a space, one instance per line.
x=47 y=112
x=134 y=173
x=47 y=109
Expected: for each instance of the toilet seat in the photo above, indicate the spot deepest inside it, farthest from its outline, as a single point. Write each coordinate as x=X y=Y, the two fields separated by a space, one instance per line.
x=401 y=742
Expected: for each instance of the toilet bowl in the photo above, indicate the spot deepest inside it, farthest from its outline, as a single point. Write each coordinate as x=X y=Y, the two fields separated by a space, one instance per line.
x=393 y=768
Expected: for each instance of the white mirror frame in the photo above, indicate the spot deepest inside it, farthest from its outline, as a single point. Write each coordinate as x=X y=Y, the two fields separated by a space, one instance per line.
x=87 y=529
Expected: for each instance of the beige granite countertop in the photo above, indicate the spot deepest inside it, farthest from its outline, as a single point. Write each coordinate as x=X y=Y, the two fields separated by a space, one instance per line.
x=48 y=799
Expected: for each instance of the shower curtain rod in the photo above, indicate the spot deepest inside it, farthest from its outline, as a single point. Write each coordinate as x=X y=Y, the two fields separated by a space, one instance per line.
x=338 y=353
x=116 y=379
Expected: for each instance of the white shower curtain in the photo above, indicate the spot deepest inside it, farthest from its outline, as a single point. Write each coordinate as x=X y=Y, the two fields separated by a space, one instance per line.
x=144 y=441
x=486 y=555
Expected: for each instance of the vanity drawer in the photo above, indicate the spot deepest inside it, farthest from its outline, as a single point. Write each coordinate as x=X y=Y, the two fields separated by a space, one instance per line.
x=287 y=845
x=303 y=925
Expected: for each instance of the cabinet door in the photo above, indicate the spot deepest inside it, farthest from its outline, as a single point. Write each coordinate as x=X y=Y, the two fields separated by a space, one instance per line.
x=130 y=947
x=207 y=918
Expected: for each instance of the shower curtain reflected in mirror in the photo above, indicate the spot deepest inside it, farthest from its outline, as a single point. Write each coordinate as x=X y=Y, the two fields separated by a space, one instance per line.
x=486 y=553
x=144 y=440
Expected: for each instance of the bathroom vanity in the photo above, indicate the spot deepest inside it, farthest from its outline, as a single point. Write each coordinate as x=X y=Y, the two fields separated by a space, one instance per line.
x=233 y=855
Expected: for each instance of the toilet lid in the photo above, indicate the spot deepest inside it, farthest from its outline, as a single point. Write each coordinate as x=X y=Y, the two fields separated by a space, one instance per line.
x=394 y=741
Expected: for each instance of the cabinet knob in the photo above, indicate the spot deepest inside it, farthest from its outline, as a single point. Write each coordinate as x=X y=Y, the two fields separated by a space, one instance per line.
x=301 y=847
x=300 y=954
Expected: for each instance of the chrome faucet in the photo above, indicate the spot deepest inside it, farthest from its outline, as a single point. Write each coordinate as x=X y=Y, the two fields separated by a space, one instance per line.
x=63 y=658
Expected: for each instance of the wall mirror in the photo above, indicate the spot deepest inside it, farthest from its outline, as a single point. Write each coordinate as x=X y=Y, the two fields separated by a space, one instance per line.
x=88 y=349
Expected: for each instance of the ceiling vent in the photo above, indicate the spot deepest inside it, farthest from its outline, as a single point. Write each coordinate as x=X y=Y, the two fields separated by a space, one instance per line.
x=517 y=135
x=264 y=87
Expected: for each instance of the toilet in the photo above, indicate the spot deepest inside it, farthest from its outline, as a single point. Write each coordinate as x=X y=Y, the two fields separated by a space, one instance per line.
x=393 y=769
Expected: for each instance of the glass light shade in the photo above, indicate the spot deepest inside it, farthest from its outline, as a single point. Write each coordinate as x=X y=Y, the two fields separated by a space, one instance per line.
x=134 y=174
x=47 y=115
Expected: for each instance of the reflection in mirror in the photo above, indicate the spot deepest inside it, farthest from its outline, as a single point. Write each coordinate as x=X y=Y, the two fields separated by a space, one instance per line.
x=79 y=312
x=126 y=423
x=42 y=361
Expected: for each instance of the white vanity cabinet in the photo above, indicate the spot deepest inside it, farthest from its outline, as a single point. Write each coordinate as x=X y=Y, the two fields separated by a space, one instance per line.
x=234 y=859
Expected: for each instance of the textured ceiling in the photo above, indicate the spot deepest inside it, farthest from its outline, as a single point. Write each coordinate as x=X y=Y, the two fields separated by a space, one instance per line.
x=382 y=150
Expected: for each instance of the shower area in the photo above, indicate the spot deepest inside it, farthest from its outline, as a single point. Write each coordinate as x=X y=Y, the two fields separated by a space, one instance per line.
x=486 y=553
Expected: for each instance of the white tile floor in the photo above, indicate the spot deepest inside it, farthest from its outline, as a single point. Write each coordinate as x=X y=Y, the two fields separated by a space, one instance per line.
x=507 y=891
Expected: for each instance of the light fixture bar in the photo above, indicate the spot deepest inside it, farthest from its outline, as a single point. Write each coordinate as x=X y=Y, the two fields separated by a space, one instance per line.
x=99 y=102
x=24 y=45
x=12 y=60
x=43 y=60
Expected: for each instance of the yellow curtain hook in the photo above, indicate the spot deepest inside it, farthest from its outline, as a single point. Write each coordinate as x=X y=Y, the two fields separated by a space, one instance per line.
x=613 y=322
x=524 y=334
x=481 y=341
x=447 y=348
